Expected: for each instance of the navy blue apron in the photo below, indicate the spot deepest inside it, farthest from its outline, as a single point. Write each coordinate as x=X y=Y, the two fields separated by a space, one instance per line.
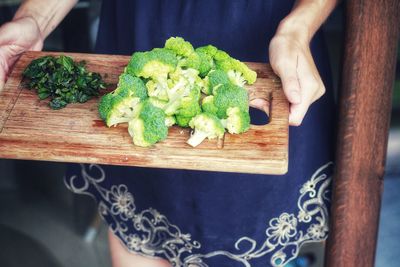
x=195 y=218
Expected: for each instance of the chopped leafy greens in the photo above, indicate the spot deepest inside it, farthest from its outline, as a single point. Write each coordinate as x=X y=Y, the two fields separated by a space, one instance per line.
x=63 y=80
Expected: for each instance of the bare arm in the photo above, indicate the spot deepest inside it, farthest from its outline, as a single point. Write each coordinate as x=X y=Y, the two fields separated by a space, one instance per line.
x=47 y=14
x=32 y=23
x=307 y=17
x=291 y=58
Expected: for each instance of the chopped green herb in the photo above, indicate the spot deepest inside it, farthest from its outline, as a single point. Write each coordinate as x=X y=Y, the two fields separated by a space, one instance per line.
x=63 y=80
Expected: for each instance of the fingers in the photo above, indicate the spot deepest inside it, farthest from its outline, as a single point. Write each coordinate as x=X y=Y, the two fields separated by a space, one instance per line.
x=3 y=73
x=312 y=88
x=291 y=85
x=284 y=63
x=293 y=63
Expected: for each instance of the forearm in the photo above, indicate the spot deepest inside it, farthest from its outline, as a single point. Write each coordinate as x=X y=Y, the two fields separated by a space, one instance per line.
x=46 y=13
x=306 y=18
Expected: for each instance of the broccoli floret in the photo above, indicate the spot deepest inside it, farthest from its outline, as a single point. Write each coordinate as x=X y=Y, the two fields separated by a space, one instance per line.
x=169 y=121
x=158 y=88
x=181 y=77
x=152 y=64
x=122 y=109
x=105 y=105
x=221 y=56
x=181 y=85
x=129 y=85
x=130 y=90
x=237 y=122
x=157 y=102
x=215 y=79
x=208 y=105
x=179 y=46
x=206 y=63
x=208 y=49
x=205 y=125
x=149 y=126
x=226 y=96
x=236 y=78
x=190 y=106
x=188 y=58
x=193 y=61
x=183 y=121
x=231 y=64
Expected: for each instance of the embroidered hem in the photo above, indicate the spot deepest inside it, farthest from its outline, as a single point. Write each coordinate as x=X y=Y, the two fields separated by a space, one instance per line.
x=155 y=237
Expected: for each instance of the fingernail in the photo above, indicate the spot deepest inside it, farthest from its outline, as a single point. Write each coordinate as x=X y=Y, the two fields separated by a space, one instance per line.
x=295 y=96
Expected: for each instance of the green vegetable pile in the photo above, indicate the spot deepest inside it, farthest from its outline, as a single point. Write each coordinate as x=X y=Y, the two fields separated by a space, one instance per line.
x=199 y=88
x=63 y=80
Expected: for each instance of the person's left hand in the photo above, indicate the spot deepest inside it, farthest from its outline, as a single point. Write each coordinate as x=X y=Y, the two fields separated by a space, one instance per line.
x=290 y=58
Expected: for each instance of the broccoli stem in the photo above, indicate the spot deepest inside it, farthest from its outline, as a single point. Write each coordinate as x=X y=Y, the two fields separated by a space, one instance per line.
x=224 y=122
x=196 y=138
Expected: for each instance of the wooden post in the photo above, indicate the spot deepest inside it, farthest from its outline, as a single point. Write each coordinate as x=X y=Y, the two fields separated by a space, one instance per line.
x=372 y=29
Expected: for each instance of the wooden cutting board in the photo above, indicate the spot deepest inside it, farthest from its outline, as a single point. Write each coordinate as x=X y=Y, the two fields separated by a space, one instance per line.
x=29 y=129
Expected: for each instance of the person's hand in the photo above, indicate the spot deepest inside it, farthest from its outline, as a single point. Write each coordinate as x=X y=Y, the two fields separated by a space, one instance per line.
x=290 y=58
x=16 y=37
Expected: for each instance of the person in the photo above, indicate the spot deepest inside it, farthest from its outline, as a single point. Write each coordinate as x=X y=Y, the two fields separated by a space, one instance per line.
x=163 y=217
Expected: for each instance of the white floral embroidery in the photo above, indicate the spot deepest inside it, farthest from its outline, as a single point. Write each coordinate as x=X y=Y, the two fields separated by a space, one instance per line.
x=156 y=236
x=134 y=242
x=282 y=229
x=122 y=202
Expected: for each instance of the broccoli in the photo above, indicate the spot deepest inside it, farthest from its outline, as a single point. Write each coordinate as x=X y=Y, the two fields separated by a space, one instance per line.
x=231 y=64
x=158 y=89
x=193 y=61
x=157 y=102
x=179 y=46
x=189 y=106
x=215 y=79
x=152 y=64
x=220 y=55
x=205 y=125
x=236 y=78
x=226 y=96
x=208 y=105
x=183 y=121
x=208 y=49
x=182 y=84
x=149 y=126
x=129 y=85
x=206 y=63
x=105 y=105
x=237 y=122
x=164 y=86
x=169 y=121
x=118 y=106
x=188 y=58
x=122 y=109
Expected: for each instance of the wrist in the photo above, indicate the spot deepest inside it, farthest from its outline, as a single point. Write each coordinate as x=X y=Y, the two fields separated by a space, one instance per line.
x=295 y=28
x=31 y=20
x=47 y=14
x=31 y=16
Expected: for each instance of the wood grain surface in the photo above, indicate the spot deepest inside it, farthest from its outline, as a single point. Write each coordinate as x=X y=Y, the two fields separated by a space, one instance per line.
x=372 y=33
x=29 y=129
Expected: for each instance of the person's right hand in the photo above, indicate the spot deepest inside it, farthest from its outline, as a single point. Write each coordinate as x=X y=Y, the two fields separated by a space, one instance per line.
x=16 y=37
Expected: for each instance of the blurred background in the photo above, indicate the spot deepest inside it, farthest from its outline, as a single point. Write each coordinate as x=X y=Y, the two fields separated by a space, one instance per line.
x=42 y=221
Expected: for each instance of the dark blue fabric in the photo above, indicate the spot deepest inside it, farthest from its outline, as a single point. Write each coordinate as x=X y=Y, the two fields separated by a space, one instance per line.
x=218 y=208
